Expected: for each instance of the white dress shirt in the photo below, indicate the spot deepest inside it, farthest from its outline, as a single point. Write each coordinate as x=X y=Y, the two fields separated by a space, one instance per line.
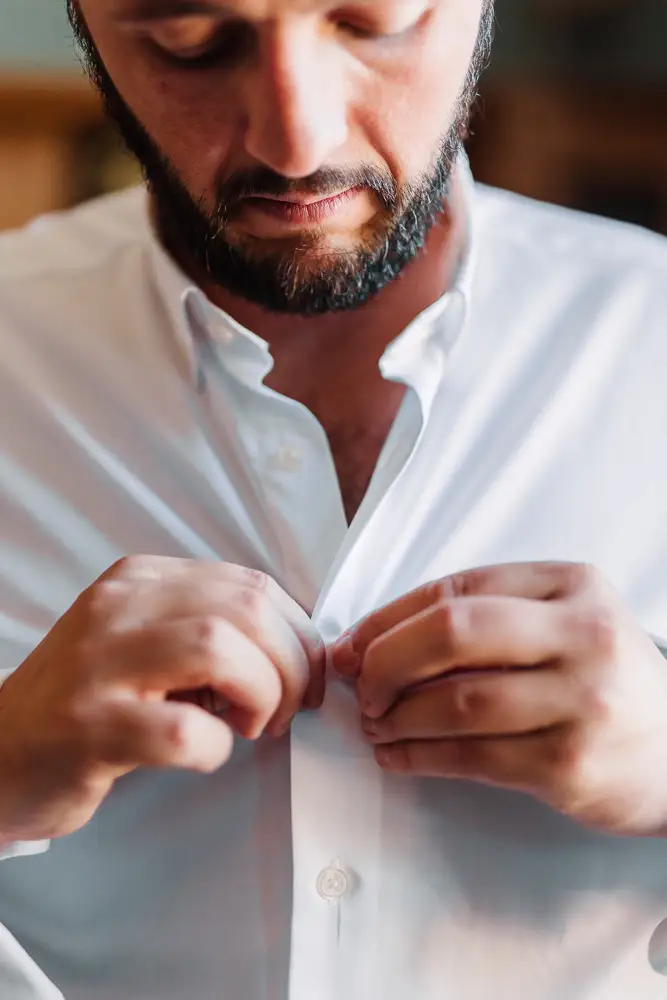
x=135 y=420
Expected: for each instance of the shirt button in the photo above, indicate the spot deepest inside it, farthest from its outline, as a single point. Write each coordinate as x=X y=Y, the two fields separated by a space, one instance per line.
x=287 y=459
x=333 y=883
x=226 y=335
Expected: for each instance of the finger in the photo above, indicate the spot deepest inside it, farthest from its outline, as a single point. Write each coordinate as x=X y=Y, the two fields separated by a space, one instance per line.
x=296 y=655
x=187 y=655
x=311 y=641
x=287 y=644
x=510 y=703
x=189 y=588
x=534 y=581
x=131 y=734
x=133 y=568
x=522 y=763
x=205 y=698
x=251 y=586
x=472 y=633
x=253 y=590
x=540 y=581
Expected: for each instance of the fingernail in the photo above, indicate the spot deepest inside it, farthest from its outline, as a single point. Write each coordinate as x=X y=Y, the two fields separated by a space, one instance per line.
x=391 y=758
x=345 y=658
x=384 y=757
x=369 y=726
x=369 y=710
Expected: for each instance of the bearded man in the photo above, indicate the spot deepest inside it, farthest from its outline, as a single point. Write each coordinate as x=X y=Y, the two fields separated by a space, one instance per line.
x=334 y=510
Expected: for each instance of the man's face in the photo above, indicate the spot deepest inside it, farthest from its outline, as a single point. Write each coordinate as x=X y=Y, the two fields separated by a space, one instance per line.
x=299 y=150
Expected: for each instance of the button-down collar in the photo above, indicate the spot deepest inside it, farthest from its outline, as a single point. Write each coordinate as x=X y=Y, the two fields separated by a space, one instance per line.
x=414 y=357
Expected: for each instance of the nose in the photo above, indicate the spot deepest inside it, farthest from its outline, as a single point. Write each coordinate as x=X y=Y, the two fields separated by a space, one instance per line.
x=297 y=107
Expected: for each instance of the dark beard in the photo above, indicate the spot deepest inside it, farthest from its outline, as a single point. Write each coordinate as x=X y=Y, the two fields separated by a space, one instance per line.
x=298 y=280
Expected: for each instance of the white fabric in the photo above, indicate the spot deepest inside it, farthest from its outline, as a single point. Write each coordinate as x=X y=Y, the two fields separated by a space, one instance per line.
x=135 y=420
x=23 y=850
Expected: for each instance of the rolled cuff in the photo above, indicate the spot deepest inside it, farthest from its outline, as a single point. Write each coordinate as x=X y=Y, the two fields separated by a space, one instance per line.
x=24 y=849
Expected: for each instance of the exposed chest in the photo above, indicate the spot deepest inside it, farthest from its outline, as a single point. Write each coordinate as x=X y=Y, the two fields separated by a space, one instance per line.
x=357 y=435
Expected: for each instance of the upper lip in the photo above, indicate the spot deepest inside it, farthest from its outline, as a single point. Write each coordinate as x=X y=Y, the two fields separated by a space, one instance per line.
x=301 y=199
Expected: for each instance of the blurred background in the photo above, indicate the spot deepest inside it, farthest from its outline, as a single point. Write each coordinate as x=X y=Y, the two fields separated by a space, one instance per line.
x=573 y=111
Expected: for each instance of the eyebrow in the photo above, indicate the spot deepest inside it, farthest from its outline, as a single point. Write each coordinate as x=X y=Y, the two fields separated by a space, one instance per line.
x=160 y=10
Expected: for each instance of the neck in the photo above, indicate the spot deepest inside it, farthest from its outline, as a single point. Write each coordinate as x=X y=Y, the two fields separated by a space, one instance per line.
x=365 y=332
x=330 y=363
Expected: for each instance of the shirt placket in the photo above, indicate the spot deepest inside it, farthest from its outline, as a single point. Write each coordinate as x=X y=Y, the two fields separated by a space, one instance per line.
x=337 y=792
x=337 y=788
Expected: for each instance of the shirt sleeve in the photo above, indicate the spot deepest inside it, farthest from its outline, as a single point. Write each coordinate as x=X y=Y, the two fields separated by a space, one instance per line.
x=20 y=849
x=24 y=849
x=20 y=977
x=661 y=643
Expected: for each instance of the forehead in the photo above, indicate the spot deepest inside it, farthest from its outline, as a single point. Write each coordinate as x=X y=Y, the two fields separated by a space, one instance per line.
x=251 y=9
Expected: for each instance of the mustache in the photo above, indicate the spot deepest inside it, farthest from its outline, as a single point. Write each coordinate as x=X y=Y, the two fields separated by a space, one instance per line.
x=261 y=181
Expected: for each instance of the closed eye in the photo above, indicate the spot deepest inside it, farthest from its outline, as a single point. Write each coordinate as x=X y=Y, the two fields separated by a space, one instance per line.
x=385 y=26
x=200 y=42
x=371 y=34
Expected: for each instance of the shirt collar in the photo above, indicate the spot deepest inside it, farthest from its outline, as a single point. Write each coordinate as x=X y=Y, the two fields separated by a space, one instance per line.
x=202 y=326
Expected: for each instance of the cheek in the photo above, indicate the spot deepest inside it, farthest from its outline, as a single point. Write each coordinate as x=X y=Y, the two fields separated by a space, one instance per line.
x=406 y=111
x=192 y=124
x=189 y=119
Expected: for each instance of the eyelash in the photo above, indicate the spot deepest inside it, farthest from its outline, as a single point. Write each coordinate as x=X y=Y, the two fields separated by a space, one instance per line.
x=223 y=51
x=368 y=35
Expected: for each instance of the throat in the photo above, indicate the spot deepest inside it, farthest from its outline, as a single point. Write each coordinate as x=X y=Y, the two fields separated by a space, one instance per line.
x=355 y=450
x=355 y=406
x=357 y=425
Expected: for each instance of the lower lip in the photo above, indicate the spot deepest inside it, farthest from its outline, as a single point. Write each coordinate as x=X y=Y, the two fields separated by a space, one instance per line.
x=299 y=214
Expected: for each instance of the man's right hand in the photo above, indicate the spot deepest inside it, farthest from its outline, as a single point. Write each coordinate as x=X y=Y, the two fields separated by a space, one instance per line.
x=100 y=696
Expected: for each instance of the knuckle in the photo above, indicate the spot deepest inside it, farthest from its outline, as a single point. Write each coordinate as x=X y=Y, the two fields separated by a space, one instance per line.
x=177 y=734
x=467 y=583
x=564 y=757
x=100 y=600
x=579 y=577
x=209 y=635
x=467 y=756
x=470 y=705
x=255 y=579
x=452 y=624
x=449 y=587
x=594 y=702
x=128 y=567
x=599 y=630
x=252 y=601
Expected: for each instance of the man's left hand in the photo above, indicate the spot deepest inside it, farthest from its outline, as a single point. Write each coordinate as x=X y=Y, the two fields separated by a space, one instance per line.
x=533 y=677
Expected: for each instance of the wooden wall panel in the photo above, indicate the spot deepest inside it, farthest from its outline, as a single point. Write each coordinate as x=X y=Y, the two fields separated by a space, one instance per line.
x=35 y=176
x=42 y=121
